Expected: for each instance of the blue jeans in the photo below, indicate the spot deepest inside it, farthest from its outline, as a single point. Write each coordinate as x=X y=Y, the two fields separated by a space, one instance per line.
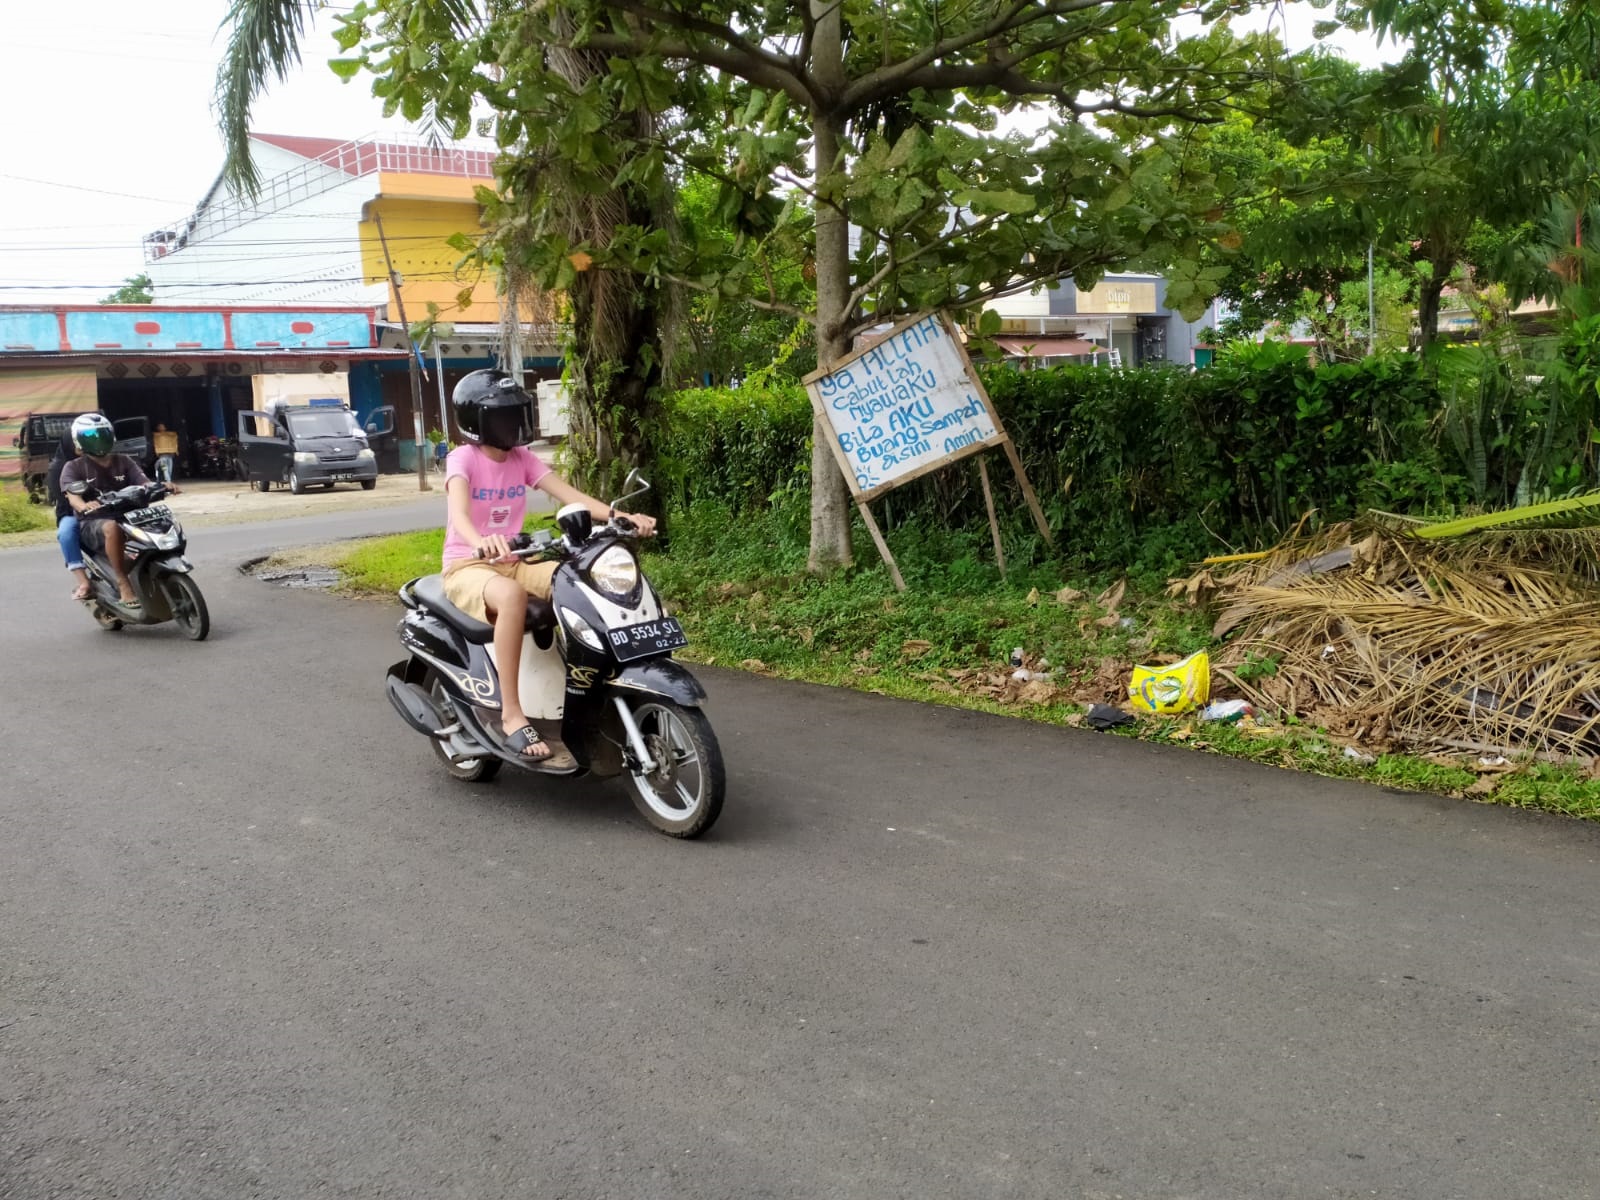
x=67 y=536
x=164 y=468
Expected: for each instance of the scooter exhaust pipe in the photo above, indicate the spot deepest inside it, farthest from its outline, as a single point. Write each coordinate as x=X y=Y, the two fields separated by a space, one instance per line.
x=416 y=707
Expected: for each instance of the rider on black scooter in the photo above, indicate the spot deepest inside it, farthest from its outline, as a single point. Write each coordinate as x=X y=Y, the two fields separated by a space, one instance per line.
x=486 y=484
x=100 y=469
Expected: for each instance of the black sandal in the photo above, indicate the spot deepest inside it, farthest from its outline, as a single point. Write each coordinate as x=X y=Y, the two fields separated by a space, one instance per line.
x=523 y=741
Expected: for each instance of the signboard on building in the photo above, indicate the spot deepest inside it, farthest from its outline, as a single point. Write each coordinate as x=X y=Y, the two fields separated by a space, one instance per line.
x=1118 y=296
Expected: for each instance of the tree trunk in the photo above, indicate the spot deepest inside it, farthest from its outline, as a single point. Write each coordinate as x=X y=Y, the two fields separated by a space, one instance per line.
x=830 y=495
x=615 y=313
x=1428 y=309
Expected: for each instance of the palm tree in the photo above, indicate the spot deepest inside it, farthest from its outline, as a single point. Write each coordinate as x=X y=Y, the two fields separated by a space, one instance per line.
x=620 y=324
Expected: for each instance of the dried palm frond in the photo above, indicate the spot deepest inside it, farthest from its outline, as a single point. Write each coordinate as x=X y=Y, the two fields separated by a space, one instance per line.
x=1485 y=641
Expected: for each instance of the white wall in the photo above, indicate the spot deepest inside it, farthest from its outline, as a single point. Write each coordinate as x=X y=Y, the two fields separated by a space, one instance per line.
x=307 y=251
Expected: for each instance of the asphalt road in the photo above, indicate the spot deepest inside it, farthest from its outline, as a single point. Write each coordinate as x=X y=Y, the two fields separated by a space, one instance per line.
x=254 y=943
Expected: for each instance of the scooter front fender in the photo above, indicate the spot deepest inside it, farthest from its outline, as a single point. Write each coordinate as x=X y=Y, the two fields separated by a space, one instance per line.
x=662 y=677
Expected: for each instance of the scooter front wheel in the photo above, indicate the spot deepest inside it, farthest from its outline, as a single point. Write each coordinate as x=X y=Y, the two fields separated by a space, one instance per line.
x=682 y=795
x=188 y=606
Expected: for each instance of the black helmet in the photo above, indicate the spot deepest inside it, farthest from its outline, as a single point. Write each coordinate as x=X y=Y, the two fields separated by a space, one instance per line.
x=492 y=410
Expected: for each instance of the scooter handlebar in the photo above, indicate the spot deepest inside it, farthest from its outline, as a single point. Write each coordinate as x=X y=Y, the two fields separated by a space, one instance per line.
x=523 y=545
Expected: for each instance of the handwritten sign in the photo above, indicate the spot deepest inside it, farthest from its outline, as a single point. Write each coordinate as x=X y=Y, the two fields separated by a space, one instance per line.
x=904 y=406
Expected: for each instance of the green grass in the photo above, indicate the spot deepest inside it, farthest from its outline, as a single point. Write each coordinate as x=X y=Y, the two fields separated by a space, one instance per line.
x=20 y=515
x=741 y=591
x=383 y=564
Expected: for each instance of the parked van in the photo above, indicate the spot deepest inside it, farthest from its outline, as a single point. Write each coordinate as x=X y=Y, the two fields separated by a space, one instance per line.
x=308 y=446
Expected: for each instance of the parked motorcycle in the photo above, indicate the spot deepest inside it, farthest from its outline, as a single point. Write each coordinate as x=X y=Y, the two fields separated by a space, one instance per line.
x=597 y=656
x=156 y=566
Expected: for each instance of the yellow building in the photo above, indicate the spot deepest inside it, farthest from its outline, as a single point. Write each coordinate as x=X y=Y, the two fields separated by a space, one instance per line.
x=311 y=235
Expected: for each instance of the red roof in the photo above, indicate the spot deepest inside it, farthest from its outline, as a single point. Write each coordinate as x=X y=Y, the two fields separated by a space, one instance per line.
x=305 y=147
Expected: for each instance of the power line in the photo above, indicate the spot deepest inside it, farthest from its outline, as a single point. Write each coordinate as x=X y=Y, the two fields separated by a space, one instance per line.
x=39 y=247
x=76 y=187
x=39 y=286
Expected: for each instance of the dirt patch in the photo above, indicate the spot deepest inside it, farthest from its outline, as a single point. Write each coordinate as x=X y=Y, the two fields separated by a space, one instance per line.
x=300 y=567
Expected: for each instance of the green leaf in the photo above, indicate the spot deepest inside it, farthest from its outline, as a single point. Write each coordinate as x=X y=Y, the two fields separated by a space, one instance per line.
x=345 y=68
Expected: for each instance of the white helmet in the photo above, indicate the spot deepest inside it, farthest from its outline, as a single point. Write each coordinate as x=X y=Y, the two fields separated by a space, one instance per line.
x=93 y=434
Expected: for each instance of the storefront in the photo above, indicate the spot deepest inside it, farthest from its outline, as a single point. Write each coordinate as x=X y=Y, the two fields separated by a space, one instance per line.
x=190 y=369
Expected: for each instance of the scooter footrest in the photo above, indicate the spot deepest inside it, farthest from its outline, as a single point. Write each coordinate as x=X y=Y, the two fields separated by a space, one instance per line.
x=415 y=706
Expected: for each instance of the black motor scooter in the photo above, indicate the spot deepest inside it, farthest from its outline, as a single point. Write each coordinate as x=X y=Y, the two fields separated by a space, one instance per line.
x=597 y=657
x=154 y=548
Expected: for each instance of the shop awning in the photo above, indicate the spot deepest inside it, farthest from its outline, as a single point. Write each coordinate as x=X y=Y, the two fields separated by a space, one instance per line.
x=24 y=392
x=1048 y=347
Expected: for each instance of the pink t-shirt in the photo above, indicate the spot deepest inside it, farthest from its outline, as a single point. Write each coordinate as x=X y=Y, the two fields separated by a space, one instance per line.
x=497 y=492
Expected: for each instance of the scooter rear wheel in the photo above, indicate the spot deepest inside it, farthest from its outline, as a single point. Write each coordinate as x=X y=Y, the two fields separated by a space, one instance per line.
x=473 y=770
x=188 y=606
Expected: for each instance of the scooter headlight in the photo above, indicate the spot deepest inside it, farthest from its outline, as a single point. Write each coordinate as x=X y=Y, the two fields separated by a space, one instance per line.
x=615 y=572
x=581 y=629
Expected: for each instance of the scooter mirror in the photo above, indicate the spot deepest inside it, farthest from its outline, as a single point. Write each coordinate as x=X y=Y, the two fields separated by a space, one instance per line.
x=634 y=485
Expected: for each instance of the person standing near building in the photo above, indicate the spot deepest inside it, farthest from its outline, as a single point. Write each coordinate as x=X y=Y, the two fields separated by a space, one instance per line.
x=166 y=447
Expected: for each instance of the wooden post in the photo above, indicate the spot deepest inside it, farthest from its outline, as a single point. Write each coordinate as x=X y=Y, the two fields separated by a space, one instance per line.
x=994 y=524
x=883 y=546
x=1027 y=492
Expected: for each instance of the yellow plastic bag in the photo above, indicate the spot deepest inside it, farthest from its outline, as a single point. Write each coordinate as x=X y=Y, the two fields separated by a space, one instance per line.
x=1174 y=688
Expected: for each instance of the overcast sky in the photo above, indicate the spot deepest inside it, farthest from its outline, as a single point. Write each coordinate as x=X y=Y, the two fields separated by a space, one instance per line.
x=109 y=133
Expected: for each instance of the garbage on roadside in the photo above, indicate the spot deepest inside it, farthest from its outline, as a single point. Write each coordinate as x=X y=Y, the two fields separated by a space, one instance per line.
x=1173 y=687
x=1485 y=641
x=1360 y=756
x=1105 y=716
x=1227 y=710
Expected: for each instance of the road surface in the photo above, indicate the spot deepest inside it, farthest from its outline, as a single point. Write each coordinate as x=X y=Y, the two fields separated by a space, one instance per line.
x=254 y=943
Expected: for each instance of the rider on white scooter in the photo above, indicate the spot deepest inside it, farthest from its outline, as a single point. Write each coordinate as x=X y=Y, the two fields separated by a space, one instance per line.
x=100 y=469
x=486 y=483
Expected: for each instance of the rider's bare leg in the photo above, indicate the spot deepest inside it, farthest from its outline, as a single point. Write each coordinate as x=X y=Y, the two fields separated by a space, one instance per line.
x=115 y=543
x=507 y=603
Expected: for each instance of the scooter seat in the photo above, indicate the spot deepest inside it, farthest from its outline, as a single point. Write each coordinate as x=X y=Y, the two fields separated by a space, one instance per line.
x=429 y=592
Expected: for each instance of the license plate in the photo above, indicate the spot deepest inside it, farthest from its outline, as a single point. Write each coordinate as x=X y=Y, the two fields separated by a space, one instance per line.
x=342 y=477
x=652 y=637
x=149 y=516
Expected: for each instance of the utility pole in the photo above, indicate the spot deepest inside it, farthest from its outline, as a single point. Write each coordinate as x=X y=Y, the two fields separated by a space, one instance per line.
x=1372 y=309
x=444 y=408
x=412 y=364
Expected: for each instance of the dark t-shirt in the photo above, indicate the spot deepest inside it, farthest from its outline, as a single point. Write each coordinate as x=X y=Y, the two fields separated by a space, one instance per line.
x=120 y=472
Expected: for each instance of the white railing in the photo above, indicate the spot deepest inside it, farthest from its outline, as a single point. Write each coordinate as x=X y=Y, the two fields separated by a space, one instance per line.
x=365 y=156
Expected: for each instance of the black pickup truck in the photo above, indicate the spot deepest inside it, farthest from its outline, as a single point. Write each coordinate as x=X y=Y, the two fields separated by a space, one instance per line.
x=42 y=433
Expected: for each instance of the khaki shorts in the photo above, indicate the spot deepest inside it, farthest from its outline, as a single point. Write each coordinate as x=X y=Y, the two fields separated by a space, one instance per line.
x=464 y=582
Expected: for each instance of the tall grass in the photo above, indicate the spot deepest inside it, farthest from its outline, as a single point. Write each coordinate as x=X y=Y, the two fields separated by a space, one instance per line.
x=20 y=515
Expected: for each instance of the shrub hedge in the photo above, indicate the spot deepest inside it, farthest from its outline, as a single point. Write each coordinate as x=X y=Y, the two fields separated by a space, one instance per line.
x=1149 y=467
